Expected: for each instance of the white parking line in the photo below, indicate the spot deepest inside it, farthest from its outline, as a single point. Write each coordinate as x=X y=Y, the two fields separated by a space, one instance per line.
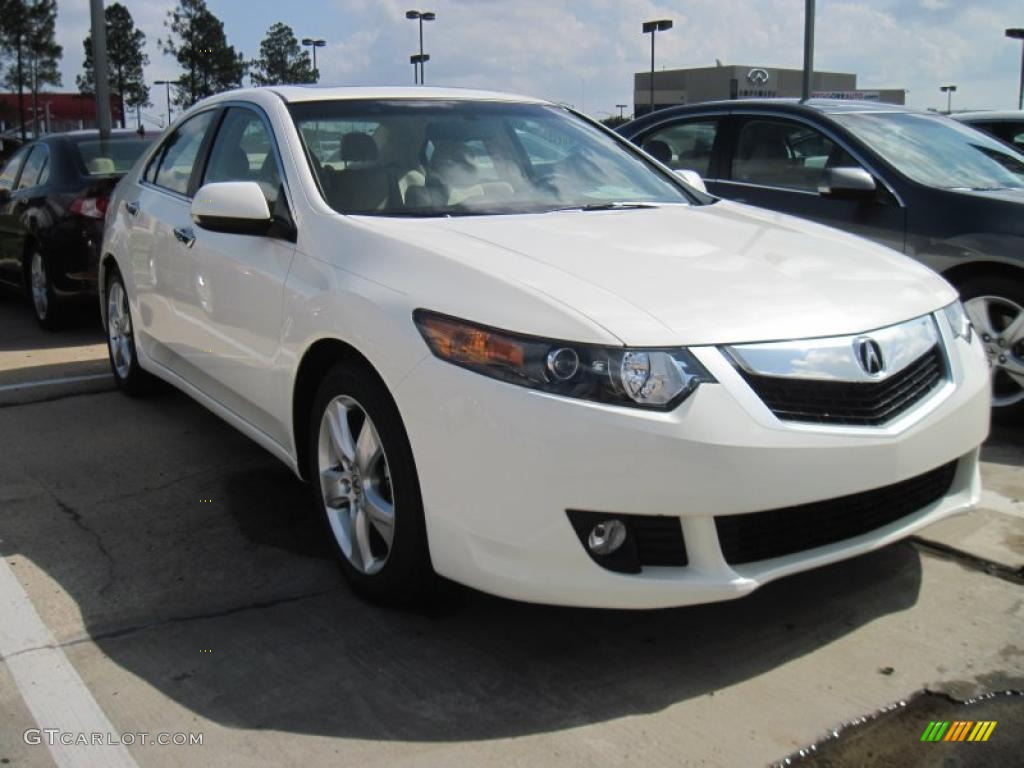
x=50 y=382
x=50 y=687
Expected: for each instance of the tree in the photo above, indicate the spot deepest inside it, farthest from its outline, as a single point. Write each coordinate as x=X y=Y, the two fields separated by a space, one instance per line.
x=281 y=59
x=197 y=41
x=126 y=57
x=28 y=34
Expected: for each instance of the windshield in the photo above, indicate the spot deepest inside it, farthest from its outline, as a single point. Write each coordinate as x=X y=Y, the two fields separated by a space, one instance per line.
x=441 y=158
x=113 y=156
x=938 y=151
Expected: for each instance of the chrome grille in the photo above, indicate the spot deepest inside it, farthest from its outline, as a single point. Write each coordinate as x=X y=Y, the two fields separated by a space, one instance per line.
x=854 y=403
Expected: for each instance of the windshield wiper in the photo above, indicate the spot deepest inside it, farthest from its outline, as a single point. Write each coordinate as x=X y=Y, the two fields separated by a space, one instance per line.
x=617 y=205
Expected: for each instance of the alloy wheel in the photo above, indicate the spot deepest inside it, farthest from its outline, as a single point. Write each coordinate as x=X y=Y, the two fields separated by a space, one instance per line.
x=355 y=483
x=40 y=289
x=1000 y=323
x=119 y=329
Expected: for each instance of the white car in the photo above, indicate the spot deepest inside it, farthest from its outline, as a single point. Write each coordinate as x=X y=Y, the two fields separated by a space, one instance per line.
x=507 y=347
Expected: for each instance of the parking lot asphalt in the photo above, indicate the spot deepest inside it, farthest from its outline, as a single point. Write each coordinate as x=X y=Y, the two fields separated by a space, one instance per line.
x=180 y=586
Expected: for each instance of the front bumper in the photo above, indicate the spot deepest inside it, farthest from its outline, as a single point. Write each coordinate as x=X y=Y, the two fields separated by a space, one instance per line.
x=500 y=465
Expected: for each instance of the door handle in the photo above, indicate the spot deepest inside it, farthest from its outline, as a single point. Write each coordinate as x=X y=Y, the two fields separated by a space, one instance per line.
x=132 y=208
x=185 y=235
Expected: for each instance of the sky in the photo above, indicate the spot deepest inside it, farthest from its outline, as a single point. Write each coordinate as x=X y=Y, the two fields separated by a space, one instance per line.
x=584 y=52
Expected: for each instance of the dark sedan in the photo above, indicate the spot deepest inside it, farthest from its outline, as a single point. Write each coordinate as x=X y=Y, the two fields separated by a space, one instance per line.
x=53 y=199
x=1008 y=126
x=941 y=192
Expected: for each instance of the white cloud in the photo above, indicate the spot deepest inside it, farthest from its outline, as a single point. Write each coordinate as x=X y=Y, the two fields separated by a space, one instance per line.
x=586 y=51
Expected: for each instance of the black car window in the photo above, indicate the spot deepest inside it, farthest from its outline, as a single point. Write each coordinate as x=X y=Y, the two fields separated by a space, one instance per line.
x=171 y=167
x=36 y=170
x=684 y=146
x=110 y=157
x=244 y=151
x=784 y=153
x=10 y=172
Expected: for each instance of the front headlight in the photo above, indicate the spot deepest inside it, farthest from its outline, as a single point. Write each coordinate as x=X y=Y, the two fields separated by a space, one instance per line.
x=959 y=321
x=657 y=379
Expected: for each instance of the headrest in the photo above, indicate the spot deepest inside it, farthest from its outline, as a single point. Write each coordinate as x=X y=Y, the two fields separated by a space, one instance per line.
x=101 y=166
x=659 y=150
x=358 y=148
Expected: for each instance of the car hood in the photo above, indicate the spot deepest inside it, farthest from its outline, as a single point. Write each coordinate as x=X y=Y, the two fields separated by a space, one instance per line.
x=714 y=274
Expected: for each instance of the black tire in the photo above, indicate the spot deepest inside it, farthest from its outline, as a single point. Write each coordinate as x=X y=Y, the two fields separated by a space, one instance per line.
x=47 y=307
x=1009 y=289
x=130 y=378
x=406 y=576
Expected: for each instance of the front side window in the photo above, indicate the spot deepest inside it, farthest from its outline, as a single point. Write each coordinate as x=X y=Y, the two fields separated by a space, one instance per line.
x=937 y=151
x=36 y=169
x=244 y=151
x=10 y=172
x=443 y=158
x=684 y=146
x=171 y=167
x=785 y=153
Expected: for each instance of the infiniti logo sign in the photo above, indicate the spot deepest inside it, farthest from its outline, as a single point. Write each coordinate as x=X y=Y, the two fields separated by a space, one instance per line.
x=758 y=76
x=869 y=355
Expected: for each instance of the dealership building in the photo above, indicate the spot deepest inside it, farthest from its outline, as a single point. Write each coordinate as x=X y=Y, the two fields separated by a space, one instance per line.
x=673 y=87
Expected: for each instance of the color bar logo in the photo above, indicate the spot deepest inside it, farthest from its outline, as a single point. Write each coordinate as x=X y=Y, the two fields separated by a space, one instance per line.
x=959 y=730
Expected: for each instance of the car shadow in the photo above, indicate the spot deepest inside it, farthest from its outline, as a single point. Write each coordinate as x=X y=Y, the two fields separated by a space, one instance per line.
x=196 y=568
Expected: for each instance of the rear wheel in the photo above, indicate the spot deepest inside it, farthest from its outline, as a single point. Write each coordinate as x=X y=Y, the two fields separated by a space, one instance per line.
x=996 y=309
x=45 y=304
x=366 y=489
x=124 y=362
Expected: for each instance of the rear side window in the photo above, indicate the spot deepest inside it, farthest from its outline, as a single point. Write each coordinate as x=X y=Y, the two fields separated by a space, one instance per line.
x=684 y=146
x=36 y=169
x=107 y=158
x=171 y=167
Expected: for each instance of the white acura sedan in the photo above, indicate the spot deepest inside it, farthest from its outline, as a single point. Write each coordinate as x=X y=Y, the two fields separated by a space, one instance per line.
x=507 y=347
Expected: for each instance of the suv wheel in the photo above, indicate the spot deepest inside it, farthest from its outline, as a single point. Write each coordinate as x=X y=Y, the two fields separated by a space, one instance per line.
x=996 y=309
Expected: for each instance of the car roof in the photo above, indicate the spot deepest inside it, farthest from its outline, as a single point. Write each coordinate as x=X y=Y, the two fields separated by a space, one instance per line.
x=994 y=115
x=303 y=93
x=828 y=106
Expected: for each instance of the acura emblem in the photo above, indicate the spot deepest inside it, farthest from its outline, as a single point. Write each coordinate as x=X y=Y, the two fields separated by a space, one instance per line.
x=757 y=76
x=869 y=355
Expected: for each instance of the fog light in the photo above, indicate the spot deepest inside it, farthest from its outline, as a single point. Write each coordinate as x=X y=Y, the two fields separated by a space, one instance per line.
x=606 y=537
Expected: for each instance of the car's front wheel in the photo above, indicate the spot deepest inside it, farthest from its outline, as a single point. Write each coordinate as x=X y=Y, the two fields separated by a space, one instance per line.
x=996 y=309
x=366 y=489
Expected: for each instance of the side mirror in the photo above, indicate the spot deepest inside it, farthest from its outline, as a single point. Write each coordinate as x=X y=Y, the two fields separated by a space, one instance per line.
x=850 y=183
x=235 y=207
x=693 y=179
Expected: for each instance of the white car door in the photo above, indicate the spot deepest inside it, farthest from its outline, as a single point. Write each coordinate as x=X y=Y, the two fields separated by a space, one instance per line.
x=239 y=279
x=160 y=225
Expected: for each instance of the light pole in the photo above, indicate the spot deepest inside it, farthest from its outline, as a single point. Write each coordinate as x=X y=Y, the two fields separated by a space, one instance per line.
x=421 y=16
x=1017 y=33
x=167 y=83
x=101 y=74
x=805 y=92
x=314 y=43
x=651 y=27
x=417 y=60
x=621 y=107
x=949 y=90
